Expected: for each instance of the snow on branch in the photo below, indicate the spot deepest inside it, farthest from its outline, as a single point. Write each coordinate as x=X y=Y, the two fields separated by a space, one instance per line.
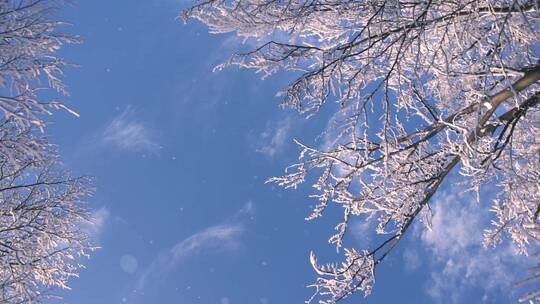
x=423 y=88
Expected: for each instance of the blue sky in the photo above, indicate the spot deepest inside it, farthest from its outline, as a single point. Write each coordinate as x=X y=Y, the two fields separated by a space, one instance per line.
x=180 y=155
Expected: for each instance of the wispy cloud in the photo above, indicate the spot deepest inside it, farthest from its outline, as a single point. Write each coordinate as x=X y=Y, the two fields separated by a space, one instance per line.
x=215 y=238
x=275 y=136
x=363 y=231
x=223 y=237
x=411 y=259
x=95 y=227
x=127 y=133
x=460 y=262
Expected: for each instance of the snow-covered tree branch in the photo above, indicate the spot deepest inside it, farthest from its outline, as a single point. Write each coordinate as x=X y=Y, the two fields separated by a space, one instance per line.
x=41 y=218
x=29 y=41
x=41 y=210
x=424 y=88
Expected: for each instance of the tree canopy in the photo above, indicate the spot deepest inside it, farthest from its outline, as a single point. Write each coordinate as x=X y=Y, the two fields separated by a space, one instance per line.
x=424 y=88
x=42 y=215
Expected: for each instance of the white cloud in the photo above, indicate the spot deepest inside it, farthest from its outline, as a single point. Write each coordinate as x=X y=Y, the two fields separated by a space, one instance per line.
x=248 y=209
x=273 y=139
x=126 y=133
x=224 y=237
x=363 y=231
x=455 y=226
x=411 y=259
x=214 y=238
x=460 y=262
x=95 y=227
